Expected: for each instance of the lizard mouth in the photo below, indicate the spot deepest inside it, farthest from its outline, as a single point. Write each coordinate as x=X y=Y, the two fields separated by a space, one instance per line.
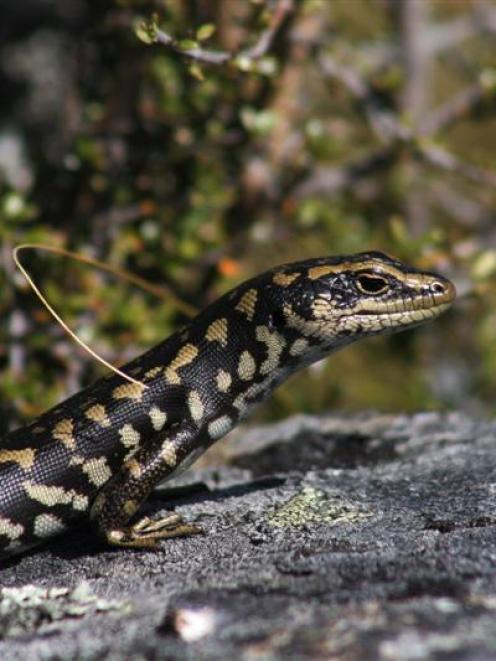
x=407 y=315
x=434 y=297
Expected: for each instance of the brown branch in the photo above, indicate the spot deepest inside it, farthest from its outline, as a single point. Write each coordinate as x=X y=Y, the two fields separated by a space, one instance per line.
x=263 y=45
x=467 y=211
x=435 y=38
x=413 y=102
x=389 y=130
x=18 y=324
x=445 y=160
x=450 y=34
x=386 y=124
x=460 y=105
x=331 y=180
x=383 y=122
x=413 y=19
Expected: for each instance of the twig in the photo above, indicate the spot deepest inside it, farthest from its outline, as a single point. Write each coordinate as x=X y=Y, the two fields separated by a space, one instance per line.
x=460 y=105
x=467 y=211
x=18 y=325
x=413 y=20
x=331 y=180
x=450 y=34
x=435 y=38
x=447 y=161
x=383 y=122
x=283 y=10
x=413 y=102
x=389 y=130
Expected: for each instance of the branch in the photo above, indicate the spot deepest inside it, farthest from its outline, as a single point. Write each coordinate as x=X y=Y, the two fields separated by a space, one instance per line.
x=435 y=38
x=390 y=130
x=467 y=211
x=413 y=20
x=413 y=17
x=469 y=100
x=447 y=161
x=383 y=122
x=331 y=180
x=243 y=58
x=451 y=34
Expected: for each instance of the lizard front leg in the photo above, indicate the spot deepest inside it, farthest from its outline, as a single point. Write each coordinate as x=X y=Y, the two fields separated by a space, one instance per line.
x=120 y=498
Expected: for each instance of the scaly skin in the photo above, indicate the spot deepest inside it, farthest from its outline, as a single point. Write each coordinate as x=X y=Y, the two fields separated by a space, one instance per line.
x=99 y=454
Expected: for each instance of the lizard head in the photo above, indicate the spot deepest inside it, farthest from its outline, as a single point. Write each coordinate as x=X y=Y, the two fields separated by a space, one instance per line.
x=340 y=299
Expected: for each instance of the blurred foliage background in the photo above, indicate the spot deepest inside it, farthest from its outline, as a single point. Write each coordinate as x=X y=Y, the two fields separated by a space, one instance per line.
x=198 y=142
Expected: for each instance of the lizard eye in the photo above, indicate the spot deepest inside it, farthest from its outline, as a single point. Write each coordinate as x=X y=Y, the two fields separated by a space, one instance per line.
x=371 y=284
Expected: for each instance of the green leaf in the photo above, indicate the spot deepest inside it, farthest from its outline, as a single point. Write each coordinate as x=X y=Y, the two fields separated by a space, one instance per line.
x=205 y=31
x=259 y=122
x=244 y=63
x=267 y=66
x=146 y=31
x=196 y=71
x=487 y=79
x=187 y=44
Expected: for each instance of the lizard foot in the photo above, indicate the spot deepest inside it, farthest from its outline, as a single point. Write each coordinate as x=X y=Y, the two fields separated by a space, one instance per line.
x=147 y=532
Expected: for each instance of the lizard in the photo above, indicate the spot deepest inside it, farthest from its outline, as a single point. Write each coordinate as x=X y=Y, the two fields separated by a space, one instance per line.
x=99 y=454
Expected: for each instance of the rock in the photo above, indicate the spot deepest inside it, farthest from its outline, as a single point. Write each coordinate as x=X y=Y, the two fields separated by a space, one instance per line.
x=325 y=537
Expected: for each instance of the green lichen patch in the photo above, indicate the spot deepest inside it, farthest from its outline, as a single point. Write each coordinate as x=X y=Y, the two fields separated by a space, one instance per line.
x=27 y=608
x=314 y=506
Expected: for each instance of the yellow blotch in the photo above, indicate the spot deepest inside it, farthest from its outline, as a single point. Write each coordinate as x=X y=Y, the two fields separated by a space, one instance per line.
x=318 y=271
x=298 y=347
x=185 y=355
x=247 y=303
x=129 y=391
x=130 y=507
x=10 y=529
x=97 y=470
x=218 y=331
x=153 y=372
x=157 y=417
x=64 y=432
x=97 y=414
x=275 y=345
x=195 y=406
x=46 y=525
x=168 y=453
x=246 y=366
x=224 y=380
x=284 y=279
x=219 y=427
x=130 y=437
x=25 y=458
x=134 y=468
x=52 y=496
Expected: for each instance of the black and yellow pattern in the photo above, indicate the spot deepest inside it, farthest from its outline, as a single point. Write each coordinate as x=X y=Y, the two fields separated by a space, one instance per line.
x=100 y=453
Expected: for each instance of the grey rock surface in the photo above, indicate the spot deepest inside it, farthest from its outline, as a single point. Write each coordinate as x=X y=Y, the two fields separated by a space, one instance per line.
x=370 y=537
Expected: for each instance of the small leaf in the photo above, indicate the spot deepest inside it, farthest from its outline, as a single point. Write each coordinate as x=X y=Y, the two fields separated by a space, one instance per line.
x=146 y=31
x=487 y=79
x=205 y=31
x=188 y=44
x=244 y=63
x=484 y=266
x=267 y=66
x=398 y=229
x=196 y=71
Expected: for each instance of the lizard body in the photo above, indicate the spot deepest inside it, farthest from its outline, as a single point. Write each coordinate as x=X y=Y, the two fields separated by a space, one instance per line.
x=99 y=454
